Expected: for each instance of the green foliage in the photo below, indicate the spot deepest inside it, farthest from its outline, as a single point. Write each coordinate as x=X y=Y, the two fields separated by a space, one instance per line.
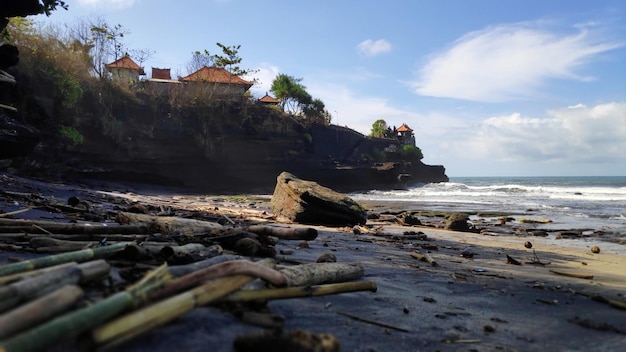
x=379 y=127
x=295 y=100
x=412 y=152
x=68 y=86
x=72 y=134
x=308 y=138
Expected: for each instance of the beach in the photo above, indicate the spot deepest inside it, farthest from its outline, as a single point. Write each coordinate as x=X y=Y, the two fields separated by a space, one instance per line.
x=562 y=296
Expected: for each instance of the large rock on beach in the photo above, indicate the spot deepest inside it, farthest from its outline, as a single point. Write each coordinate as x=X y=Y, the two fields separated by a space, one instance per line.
x=457 y=222
x=307 y=202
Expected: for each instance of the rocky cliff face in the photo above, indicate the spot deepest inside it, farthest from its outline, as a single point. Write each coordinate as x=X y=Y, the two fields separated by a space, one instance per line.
x=222 y=147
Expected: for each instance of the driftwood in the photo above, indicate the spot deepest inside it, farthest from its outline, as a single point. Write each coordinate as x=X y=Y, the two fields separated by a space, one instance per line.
x=189 y=253
x=424 y=257
x=39 y=310
x=81 y=320
x=294 y=341
x=180 y=270
x=170 y=225
x=576 y=275
x=77 y=256
x=234 y=267
x=15 y=226
x=322 y=273
x=152 y=316
x=285 y=233
x=29 y=288
x=302 y=291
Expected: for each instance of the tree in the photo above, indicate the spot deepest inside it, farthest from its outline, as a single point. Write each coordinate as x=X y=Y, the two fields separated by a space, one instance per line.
x=142 y=55
x=291 y=93
x=230 y=60
x=379 y=128
x=200 y=59
x=316 y=112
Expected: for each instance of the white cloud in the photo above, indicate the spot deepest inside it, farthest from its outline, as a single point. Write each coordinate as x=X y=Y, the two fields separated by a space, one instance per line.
x=108 y=3
x=264 y=76
x=507 y=62
x=374 y=47
x=573 y=135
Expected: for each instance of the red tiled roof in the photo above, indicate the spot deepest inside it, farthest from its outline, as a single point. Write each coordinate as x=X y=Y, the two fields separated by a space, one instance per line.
x=161 y=73
x=404 y=128
x=215 y=75
x=269 y=99
x=125 y=62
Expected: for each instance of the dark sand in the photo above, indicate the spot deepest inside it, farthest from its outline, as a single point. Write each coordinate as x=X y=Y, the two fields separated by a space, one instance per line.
x=462 y=304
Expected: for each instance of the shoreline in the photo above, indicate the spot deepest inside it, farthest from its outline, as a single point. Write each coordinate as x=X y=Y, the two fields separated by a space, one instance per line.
x=480 y=302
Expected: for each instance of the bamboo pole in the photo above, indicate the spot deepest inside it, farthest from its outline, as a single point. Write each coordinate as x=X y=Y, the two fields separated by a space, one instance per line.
x=322 y=273
x=285 y=233
x=150 y=317
x=39 y=310
x=77 y=256
x=72 y=324
x=302 y=291
x=47 y=242
x=68 y=229
x=234 y=267
x=29 y=288
x=19 y=276
x=180 y=270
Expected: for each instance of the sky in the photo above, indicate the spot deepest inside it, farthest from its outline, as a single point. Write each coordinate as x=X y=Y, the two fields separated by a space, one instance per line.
x=490 y=87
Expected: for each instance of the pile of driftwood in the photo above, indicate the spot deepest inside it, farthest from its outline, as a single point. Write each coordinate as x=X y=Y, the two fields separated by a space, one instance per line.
x=110 y=283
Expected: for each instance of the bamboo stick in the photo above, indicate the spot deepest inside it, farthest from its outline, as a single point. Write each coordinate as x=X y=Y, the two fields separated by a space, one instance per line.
x=58 y=228
x=180 y=270
x=15 y=277
x=302 y=291
x=45 y=241
x=234 y=267
x=77 y=256
x=81 y=320
x=29 y=288
x=322 y=273
x=15 y=212
x=145 y=319
x=39 y=310
x=285 y=233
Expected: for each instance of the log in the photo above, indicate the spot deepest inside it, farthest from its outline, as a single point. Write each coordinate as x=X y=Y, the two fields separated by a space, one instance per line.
x=77 y=256
x=285 y=233
x=169 y=225
x=322 y=273
x=39 y=310
x=76 y=322
x=302 y=291
x=145 y=319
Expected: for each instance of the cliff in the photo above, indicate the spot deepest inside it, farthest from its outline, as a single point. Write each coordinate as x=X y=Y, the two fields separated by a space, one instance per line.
x=124 y=134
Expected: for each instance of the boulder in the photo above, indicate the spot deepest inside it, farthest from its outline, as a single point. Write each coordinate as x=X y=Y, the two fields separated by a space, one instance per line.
x=307 y=202
x=457 y=222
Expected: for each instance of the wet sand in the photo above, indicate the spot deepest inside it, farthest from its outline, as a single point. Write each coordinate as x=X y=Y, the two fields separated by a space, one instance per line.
x=461 y=304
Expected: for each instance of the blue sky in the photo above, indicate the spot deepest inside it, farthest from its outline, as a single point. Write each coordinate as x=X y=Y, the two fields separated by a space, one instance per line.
x=491 y=87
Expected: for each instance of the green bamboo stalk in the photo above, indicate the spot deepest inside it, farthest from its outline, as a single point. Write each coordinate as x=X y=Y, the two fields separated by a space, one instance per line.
x=152 y=316
x=39 y=310
x=79 y=321
x=76 y=256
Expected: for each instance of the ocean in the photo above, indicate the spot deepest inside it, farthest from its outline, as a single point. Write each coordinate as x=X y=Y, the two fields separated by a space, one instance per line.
x=597 y=203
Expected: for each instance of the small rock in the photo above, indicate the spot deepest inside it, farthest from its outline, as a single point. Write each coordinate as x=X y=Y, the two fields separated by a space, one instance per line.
x=467 y=253
x=489 y=328
x=327 y=258
x=527 y=244
x=595 y=249
x=303 y=244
